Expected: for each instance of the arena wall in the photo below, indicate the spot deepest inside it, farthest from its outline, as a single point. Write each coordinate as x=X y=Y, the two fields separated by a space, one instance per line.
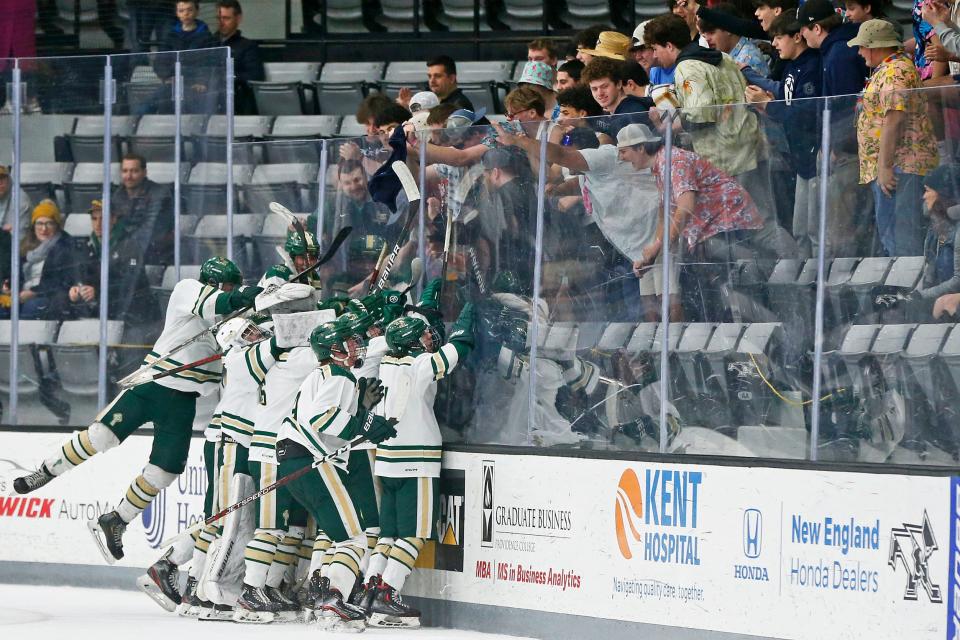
x=554 y=546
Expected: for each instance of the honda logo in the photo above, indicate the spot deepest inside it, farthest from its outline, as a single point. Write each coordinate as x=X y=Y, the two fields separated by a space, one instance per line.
x=752 y=533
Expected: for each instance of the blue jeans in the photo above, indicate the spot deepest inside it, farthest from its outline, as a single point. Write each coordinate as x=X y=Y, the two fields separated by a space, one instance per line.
x=900 y=223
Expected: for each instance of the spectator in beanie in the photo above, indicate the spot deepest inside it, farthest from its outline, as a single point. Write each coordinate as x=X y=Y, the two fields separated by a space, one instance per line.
x=541 y=77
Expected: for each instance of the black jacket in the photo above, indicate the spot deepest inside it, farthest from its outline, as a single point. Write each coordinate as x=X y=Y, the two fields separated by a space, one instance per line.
x=247 y=66
x=149 y=216
x=58 y=274
x=130 y=297
x=458 y=99
x=799 y=114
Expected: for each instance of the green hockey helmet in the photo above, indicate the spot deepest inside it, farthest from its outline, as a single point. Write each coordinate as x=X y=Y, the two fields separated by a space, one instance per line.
x=298 y=244
x=404 y=334
x=337 y=341
x=358 y=322
x=507 y=282
x=218 y=270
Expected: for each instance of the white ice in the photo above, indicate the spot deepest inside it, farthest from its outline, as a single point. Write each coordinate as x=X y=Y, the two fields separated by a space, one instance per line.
x=56 y=613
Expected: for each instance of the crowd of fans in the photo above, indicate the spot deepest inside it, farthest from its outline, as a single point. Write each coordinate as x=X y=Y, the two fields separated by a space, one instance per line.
x=742 y=91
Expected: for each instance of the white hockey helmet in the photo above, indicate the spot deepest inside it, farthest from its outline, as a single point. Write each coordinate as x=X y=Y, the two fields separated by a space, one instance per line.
x=239 y=332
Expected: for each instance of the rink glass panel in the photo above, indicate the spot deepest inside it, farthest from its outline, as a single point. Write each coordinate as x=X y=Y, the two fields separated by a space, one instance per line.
x=888 y=364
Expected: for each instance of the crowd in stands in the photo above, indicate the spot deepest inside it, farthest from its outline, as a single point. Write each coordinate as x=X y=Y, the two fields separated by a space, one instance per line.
x=568 y=183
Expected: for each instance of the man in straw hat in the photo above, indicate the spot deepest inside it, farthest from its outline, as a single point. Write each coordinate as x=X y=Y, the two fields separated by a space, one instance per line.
x=894 y=138
x=610 y=44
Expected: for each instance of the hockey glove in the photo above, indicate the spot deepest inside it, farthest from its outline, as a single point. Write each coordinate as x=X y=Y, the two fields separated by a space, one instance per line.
x=371 y=392
x=379 y=429
x=239 y=298
x=371 y=304
x=430 y=298
x=462 y=331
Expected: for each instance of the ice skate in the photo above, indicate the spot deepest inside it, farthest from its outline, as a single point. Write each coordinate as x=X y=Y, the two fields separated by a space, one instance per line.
x=388 y=610
x=254 y=606
x=287 y=609
x=218 y=612
x=191 y=606
x=369 y=594
x=33 y=481
x=337 y=615
x=162 y=583
x=107 y=532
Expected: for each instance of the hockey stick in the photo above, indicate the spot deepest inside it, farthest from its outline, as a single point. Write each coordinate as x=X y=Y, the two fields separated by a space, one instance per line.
x=136 y=382
x=267 y=489
x=413 y=208
x=334 y=246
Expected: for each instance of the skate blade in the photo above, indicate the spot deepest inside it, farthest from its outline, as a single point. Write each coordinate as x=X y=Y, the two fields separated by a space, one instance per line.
x=286 y=617
x=245 y=616
x=306 y=616
x=149 y=587
x=212 y=615
x=336 y=624
x=188 y=611
x=97 y=534
x=384 y=621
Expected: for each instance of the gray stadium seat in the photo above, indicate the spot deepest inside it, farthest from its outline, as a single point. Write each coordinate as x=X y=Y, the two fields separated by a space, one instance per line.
x=342 y=85
x=305 y=126
x=524 y=14
x=279 y=98
x=86 y=139
x=295 y=139
x=255 y=126
x=31 y=332
x=459 y=14
x=170 y=280
x=404 y=74
x=205 y=192
x=43 y=179
x=87 y=184
x=305 y=72
x=350 y=128
x=209 y=239
x=76 y=353
x=352 y=71
x=344 y=16
x=584 y=13
x=163 y=172
x=77 y=225
x=283 y=183
x=164 y=125
x=484 y=71
x=397 y=15
x=93 y=125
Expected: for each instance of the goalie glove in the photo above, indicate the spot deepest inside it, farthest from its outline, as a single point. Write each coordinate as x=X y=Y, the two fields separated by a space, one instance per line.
x=371 y=392
x=284 y=293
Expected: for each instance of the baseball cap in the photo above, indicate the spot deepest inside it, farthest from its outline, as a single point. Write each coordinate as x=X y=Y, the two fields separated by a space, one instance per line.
x=814 y=11
x=876 y=34
x=423 y=101
x=638 y=36
x=465 y=117
x=635 y=134
x=4 y=170
x=95 y=204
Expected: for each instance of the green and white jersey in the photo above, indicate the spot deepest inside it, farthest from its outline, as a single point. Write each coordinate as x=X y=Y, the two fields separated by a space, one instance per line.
x=376 y=349
x=192 y=309
x=243 y=394
x=280 y=389
x=410 y=385
x=325 y=403
x=278 y=274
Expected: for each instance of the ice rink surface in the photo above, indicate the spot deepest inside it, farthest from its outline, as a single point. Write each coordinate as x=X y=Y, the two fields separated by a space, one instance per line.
x=47 y=613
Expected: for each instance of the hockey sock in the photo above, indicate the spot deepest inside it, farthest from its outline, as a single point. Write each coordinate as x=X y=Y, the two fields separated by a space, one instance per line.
x=304 y=551
x=81 y=446
x=182 y=550
x=373 y=534
x=320 y=545
x=258 y=556
x=200 y=547
x=143 y=490
x=345 y=564
x=403 y=556
x=283 y=558
x=378 y=559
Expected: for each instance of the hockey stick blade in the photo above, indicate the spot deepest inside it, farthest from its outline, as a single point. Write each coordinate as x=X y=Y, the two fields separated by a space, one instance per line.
x=406 y=180
x=262 y=492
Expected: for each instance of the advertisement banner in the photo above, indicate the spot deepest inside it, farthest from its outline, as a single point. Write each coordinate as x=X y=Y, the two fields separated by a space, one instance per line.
x=49 y=525
x=773 y=552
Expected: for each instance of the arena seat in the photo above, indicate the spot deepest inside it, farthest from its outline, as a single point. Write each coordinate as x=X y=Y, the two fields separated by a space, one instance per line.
x=87 y=184
x=76 y=353
x=410 y=74
x=305 y=72
x=280 y=98
x=283 y=183
x=31 y=332
x=209 y=239
x=164 y=172
x=459 y=14
x=205 y=192
x=350 y=128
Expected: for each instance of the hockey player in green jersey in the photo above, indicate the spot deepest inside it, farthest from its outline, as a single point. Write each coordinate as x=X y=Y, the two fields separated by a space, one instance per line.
x=169 y=403
x=408 y=465
x=331 y=408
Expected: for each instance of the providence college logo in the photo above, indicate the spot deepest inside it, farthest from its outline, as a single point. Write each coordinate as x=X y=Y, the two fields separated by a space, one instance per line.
x=911 y=546
x=486 y=509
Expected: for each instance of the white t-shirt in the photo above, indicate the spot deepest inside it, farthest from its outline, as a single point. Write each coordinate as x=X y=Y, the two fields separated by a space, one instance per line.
x=624 y=202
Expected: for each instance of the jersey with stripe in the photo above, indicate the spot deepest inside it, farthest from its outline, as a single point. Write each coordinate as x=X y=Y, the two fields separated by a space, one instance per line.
x=245 y=374
x=325 y=403
x=410 y=385
x=280 y=389
x=192 y=309
x=376 y=349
